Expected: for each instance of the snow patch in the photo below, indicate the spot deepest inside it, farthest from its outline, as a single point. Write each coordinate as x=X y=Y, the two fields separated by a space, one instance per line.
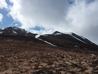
x=47 y=42
x=58 y=34
x=78 y=39
x=37 y=36
x=14 y=32
x=1 y=32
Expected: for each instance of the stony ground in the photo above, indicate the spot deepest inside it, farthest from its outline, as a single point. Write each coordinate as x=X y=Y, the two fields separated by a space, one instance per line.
x=20 y=58
x=51 y=62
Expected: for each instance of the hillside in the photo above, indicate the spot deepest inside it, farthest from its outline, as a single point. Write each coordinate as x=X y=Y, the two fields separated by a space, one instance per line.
x=22 y=53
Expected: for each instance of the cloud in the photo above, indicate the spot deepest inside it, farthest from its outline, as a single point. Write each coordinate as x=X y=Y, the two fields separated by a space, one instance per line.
x=83 y=19
x=3 y=4
x=1 y=17
x=48 y=13
x=79 y=16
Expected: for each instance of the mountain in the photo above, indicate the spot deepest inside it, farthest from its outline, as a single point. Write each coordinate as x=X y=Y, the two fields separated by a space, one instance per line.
x=71 y=40
x=16 y=32
x=56 y=39
x=21 y=52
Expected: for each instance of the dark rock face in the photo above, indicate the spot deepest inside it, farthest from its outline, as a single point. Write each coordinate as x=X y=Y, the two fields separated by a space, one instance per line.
x=13 y=31
x=16 y=32
x=69 y=40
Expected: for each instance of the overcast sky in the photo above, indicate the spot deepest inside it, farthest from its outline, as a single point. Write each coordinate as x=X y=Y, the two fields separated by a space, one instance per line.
x=46 y=16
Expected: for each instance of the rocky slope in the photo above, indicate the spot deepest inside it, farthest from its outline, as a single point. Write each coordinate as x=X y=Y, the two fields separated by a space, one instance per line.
x=71 y=40
x=22 y=53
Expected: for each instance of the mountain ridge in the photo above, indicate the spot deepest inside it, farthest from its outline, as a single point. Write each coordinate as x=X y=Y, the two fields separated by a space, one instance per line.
x=57 y=38
x=71 y=39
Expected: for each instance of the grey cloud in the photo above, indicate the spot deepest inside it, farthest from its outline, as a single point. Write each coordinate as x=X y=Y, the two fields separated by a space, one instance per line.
x=79 y=16
x=83 y=19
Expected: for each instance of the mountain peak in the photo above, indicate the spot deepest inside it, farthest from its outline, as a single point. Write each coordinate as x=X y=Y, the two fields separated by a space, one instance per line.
x=15 y=31
x=57 y=33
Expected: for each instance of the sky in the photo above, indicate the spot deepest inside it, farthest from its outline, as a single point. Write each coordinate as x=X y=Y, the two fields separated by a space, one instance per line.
x=47 y=16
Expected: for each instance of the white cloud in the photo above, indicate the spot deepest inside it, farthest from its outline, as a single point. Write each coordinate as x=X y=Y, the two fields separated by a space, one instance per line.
x=1 y=17
x=3 y=4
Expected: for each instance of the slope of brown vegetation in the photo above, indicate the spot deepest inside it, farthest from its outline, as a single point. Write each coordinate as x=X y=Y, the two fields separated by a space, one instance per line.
x=35 y=57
